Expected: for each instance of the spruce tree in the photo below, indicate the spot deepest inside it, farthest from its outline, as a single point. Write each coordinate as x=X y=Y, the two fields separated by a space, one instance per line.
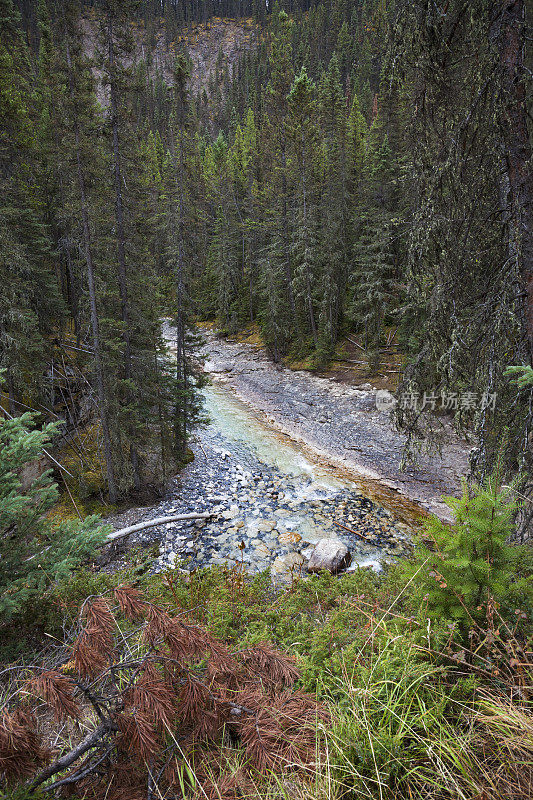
x=276 y=102
x=29 y=302
x=335 y=209
x=79 y=121
x=34 y=551
x=181 y=248
x=373 y=276
x=303 y=140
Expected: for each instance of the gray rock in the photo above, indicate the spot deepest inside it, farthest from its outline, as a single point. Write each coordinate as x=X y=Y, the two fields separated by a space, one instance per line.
x=266 y=525
x=331 y=555
x=284 y=568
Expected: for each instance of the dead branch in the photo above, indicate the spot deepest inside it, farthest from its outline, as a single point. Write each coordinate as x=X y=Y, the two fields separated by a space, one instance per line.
x=346 y=528
x=91 y=740
x=151 y=523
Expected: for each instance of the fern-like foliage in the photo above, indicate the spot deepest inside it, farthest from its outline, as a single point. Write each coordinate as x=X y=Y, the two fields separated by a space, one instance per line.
x=522 y=376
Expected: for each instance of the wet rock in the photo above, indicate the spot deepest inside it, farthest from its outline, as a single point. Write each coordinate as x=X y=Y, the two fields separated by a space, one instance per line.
x=290 y=538
x=331 y=555
x=266 y=525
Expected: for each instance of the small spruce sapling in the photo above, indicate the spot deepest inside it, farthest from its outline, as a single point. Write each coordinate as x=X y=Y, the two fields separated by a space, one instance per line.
x=472 y=564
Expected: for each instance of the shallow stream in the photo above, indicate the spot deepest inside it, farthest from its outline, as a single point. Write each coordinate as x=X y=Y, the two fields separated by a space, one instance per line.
x=271 y=501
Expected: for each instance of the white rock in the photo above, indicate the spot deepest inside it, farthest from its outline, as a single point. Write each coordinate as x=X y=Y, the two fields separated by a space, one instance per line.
x=329 y=554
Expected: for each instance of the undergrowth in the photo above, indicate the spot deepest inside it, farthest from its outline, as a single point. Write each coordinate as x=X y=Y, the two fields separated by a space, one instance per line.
x=424 y=671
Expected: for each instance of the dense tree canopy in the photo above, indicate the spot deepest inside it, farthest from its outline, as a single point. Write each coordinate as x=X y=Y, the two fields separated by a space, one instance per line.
x=357 y=169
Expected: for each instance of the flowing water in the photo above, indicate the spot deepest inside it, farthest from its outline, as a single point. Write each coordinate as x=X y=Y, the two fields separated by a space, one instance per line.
x=247 y=431
x=272 y=498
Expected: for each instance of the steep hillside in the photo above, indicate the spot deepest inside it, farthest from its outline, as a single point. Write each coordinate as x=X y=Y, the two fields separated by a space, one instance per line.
x=205 y=42
x=216 y=44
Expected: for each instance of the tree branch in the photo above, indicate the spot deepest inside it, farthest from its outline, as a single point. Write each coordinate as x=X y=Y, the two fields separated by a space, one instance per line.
x=91 y=740
x=151 y=523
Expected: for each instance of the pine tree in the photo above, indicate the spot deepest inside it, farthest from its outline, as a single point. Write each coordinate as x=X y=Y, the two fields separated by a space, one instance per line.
x=335 y=209
x=303 y=139
x=34 y=552
x=29 y=303
x=276 y=101
x=79 y=120
x=118 y=79
x=181 y=254
x=373 y=275
x=472 y=566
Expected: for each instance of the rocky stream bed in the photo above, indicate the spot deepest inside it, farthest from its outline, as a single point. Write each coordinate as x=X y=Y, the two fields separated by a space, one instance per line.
x=274 y=484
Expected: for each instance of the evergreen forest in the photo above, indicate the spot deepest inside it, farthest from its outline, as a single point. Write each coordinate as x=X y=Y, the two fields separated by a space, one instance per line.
x=266 y=399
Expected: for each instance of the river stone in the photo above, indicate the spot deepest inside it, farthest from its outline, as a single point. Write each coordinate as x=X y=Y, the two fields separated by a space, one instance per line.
x=266 y=525
x=284 y=568
x=289 y=538
x=329 y=554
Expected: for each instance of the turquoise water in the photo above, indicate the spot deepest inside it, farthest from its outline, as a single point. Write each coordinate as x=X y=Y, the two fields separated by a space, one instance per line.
x=241 y=426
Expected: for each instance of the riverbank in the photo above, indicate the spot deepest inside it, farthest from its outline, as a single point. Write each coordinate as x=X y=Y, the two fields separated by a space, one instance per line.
x=288 y=458
x=269 y=503
x=340 y=424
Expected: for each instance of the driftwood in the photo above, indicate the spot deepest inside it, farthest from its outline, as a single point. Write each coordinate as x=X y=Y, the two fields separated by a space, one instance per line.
x=351 y=530
x=151 y=523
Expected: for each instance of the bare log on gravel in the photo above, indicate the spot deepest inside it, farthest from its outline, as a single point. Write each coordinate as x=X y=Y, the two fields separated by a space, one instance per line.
x=151 y=523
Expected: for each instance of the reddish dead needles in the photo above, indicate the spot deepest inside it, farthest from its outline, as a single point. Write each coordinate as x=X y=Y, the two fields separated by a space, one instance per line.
x=157 y=695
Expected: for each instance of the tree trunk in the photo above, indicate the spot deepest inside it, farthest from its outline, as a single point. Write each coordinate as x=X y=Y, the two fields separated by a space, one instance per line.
x=121 y=237
x=100 y=383
x=509 y=35
x=177 y=231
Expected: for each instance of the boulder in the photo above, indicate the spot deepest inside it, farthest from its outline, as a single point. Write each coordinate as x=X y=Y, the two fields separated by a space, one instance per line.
x=329 y=554
x=289 y=539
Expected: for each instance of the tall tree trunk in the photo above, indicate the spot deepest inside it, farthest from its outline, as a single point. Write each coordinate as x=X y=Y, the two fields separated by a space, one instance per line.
x=121 y=237
x=177 y=232
x=509 y=34
x=100 y=382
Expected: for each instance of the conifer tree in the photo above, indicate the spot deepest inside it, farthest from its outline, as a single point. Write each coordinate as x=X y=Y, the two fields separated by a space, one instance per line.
x=79 y=106
x=277 y=91
x=34 y=552
x=374 y=263
x=29 y=302
x=334 y=228
x=181 y=254
x=303 y=139
x=473 y=564
x=117 y=78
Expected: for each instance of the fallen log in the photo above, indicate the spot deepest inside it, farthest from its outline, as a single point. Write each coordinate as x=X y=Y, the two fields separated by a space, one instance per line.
x=151 y=523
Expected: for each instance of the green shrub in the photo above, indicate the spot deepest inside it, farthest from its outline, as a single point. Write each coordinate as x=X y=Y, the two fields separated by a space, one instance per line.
x=35 y=552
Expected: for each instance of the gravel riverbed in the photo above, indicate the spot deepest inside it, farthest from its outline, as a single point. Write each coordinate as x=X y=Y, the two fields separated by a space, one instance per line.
x=263 y=517
x=341 y=423
x=286 y=460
